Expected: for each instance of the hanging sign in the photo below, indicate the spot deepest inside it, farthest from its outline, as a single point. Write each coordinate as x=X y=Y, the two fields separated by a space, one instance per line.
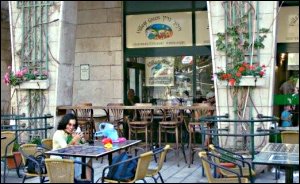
x=85 y=72
x=288 y=25
x=159 y=71
x=159 y=30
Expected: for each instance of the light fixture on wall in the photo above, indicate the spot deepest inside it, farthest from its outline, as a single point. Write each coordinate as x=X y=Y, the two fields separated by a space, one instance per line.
x=283 y=57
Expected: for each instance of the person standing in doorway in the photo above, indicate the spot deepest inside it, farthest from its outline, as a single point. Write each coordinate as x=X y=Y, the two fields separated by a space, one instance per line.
x=131 y=100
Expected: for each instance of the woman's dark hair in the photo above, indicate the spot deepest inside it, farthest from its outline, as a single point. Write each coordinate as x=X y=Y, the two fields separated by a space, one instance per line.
x=65 y=120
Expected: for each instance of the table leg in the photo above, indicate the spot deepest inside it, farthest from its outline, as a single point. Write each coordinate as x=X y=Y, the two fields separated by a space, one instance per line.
x=83 y=168
x=109 y=158
x=288 y=175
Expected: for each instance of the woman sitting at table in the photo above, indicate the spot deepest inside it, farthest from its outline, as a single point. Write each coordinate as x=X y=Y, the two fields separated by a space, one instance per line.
x=65 y=135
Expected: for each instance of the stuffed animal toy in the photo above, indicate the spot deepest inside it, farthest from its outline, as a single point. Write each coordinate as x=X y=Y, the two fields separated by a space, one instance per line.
x=107 y=130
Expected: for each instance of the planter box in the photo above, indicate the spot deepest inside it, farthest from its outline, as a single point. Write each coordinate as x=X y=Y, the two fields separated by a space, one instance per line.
x=11 y=163
x=34 y=84
x=246 y=81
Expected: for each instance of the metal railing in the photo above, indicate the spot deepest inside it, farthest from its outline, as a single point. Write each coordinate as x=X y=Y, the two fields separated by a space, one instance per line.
x=39 y=129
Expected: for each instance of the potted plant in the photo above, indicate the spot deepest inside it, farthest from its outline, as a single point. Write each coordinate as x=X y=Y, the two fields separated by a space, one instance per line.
x=36 y=140
x=17 y=155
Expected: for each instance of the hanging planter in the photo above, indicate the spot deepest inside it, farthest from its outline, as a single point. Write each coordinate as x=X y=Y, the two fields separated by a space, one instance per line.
x=245 y=81
x=34 y=84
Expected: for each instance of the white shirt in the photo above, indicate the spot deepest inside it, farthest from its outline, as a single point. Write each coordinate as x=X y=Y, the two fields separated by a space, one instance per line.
x=59 y=141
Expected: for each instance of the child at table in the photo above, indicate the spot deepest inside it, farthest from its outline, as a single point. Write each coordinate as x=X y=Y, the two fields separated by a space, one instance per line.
x=65 y=135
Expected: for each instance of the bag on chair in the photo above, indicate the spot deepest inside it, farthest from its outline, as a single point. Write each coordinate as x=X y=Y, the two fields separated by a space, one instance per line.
x=32 y=167
x=124 y=171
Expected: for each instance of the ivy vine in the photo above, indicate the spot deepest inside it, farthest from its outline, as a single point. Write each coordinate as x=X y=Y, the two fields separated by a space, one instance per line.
x=235 y=41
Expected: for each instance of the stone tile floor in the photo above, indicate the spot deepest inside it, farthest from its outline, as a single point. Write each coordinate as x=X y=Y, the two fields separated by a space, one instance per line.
x=170 y=172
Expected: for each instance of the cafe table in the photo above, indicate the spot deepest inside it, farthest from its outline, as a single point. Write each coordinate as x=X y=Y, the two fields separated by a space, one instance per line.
x=94 y=150
x=280 y=154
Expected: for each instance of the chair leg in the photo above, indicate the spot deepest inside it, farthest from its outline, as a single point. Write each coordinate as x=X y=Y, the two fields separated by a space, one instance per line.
x=155 y=181
x=184 y=156
x=159 y=135
x=190 y=149
x=41 y=179
x=24 y=178
x=161 y=177
x=146 y=139
x=182 y=144
x=177 y=145
x=4 y=174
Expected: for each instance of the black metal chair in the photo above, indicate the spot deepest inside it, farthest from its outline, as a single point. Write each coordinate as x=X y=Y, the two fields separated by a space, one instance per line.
x=207 y=163
x=7 y=150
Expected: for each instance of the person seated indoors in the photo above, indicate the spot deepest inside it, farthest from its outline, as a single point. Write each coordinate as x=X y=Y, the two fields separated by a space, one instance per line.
x=131 y=100
x=286 y=116
x=66 y=135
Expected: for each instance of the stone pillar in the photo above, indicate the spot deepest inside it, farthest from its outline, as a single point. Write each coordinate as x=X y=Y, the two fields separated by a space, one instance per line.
x=262 y=96
x=5 y=57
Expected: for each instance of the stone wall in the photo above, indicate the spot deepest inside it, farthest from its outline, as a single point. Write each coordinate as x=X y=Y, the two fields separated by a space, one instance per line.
x=5 y=57
x=99 y=44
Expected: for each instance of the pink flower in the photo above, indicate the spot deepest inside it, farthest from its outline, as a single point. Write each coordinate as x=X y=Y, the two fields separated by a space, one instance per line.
x=261 y=73
x=19 y=74
x=24 y=71
x=6 y=79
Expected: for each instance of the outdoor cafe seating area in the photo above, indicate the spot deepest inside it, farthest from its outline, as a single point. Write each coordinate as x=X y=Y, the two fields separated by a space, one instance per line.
x=174 y=129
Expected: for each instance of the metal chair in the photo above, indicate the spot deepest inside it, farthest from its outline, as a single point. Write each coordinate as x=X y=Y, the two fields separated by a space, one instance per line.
x=152 y=172
x=142 y=123
x=7 y=150
x=206 y=164
x=172 y=124
x=62 y=171
x=245 y=170
x=141 y=169
x=31 y=149
x=193 y=127
x=86 y=121
x=116 y=117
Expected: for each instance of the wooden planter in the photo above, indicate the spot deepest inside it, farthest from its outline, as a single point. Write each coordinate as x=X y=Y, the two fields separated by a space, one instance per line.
x=11 y=163
x=246 y=81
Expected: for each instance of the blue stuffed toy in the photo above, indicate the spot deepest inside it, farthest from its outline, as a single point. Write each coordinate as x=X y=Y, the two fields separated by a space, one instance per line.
x=107 y=130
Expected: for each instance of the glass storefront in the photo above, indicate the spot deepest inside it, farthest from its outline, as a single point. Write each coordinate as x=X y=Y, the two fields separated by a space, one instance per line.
x=171 y=79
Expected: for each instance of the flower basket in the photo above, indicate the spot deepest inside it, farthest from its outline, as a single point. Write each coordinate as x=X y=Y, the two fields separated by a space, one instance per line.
x=246 y=81
x=34 y=84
